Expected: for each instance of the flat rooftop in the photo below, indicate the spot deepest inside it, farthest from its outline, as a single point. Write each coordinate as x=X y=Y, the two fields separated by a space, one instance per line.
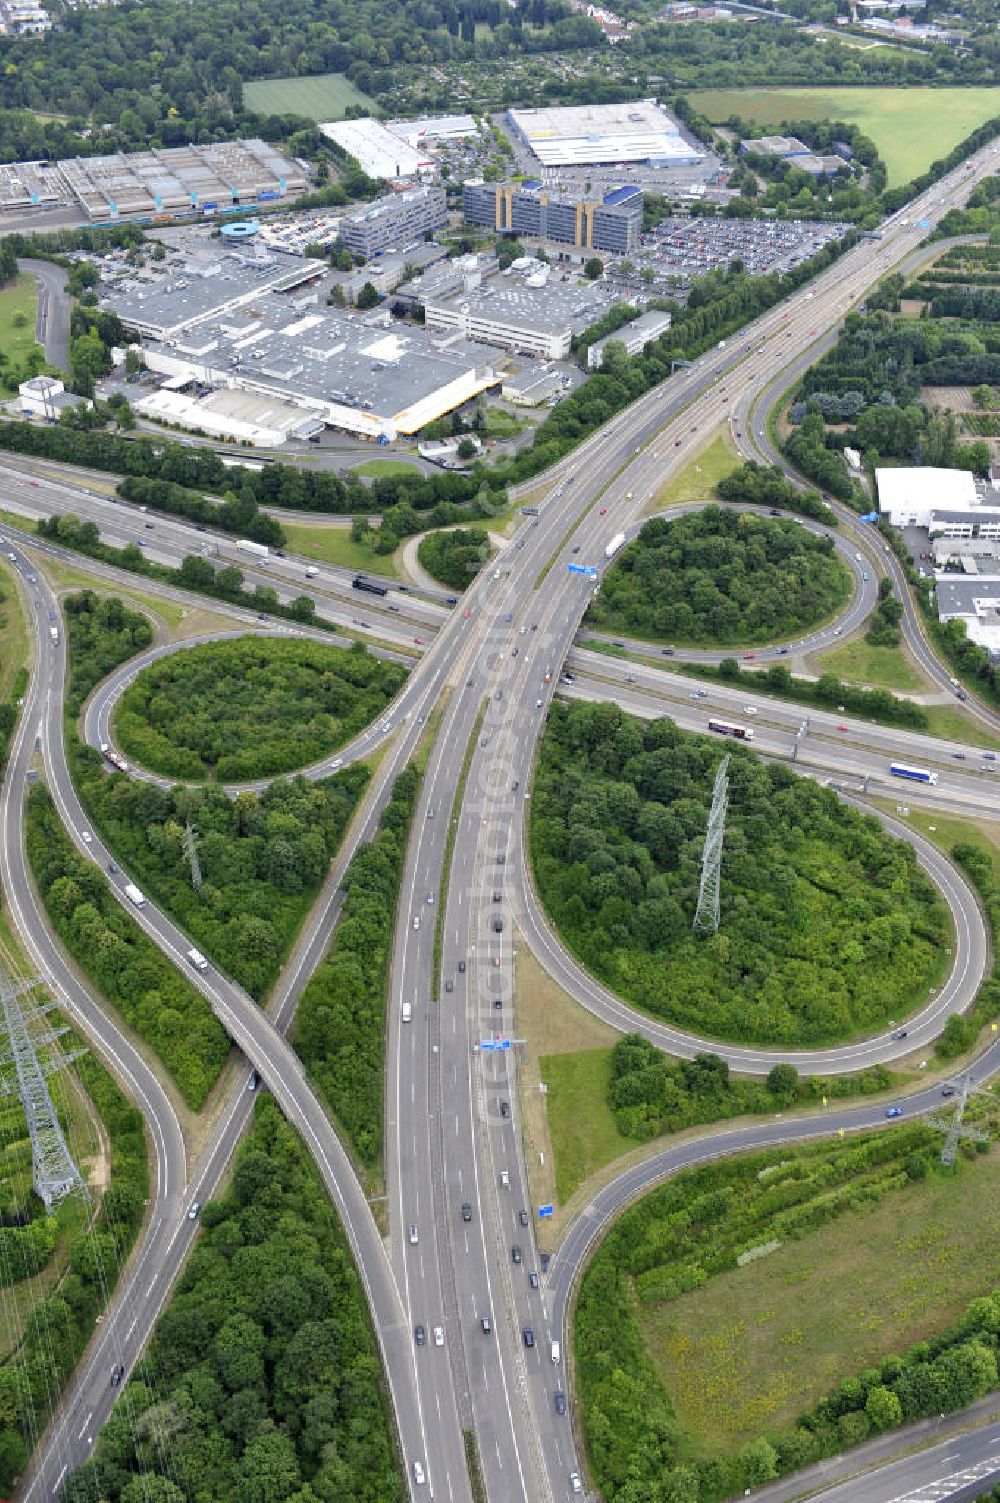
x=628 y=132
x=548 y=307
x=204 y=286
x=380 y=152
x=322 y=355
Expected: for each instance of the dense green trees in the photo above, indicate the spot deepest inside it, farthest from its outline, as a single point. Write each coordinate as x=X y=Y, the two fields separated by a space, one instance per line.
x=828 y=927
x=262 y=1383
x=340 y=1022
x=158 y=1002
x=652 y=1094
x=58 y=1327
x=828 y=692
x=246 y=709
x=767 y=485
x=456 y=556
x=240 y=515
x=721 y=576
x=262 y=858
x=695 y=1227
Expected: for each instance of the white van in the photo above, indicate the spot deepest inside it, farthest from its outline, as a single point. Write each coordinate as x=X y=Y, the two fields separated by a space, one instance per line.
x=407 y=1012
x=556 y=1353
x=197 y=959
x=133 y=894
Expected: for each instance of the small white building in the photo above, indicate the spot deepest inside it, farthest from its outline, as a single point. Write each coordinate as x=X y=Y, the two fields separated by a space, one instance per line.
x=46 y=397
x=911 y=496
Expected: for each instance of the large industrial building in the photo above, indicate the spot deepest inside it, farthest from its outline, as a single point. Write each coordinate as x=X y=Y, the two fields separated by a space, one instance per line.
x=611 y=223
x=296 y=364
x=398 y=148
x=589 y=134
x=165 y=181
x=528 y=310
x=634 y=336
x=394 y=222
x=164 y=307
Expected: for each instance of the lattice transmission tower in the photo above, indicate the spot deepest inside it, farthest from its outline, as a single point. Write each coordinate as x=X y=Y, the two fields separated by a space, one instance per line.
x=955 y=1131
x=706 y=916
x=54 y=1172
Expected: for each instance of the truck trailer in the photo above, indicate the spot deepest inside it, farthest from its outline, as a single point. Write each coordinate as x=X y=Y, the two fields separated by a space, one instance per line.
x=617 y=542
x=260 y=550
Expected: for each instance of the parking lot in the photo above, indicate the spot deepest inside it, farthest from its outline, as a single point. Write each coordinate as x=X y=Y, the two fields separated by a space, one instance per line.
x=690 y=247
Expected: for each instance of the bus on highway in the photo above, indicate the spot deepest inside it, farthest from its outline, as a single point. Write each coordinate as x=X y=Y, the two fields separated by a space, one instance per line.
x=730 y=728
x=915 y=774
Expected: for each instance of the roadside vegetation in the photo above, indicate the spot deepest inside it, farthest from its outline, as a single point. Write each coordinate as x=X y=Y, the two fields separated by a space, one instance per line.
x=157 y=1002
x=340 y=1020
x=602 y=1103
x=829 y=927
x=735 y=1324
x=720 y=576
x=825 y=693
x=262 y=857
x=250 y=708
x=46 y=1337
x=263 y=1380
x=455 y=557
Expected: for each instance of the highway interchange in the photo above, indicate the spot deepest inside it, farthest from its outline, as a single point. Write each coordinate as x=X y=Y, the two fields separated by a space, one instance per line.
x=452 y=1130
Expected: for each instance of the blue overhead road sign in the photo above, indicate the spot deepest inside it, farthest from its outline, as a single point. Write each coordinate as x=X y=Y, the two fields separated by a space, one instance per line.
x=545 y=1210
x=587 y=569
x=491 y=1045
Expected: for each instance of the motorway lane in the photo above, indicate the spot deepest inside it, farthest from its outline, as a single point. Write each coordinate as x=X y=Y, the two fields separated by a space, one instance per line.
x=628 y=426
x=400 y=616
x=268 y=1052
x=84 y=1407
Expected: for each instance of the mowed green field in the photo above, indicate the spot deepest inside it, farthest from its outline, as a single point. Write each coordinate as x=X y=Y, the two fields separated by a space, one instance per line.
x=322 y=96
x=753 y=1348
x=911 y=127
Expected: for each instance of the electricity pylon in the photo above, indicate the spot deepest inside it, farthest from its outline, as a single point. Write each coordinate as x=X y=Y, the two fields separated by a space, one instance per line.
x=954 y=1130
x=54 y=1173
x=706 y=917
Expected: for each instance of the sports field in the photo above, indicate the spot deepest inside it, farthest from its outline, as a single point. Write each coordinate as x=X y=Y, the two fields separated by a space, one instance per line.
x=322 y=96
x=911 y=127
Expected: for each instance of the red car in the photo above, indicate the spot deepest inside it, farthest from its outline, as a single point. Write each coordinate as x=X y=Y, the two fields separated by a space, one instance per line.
x=603 y=511
x=842 y=728
x=496 y=960
x=419 y=641
x=749 y=654
x=466 y=615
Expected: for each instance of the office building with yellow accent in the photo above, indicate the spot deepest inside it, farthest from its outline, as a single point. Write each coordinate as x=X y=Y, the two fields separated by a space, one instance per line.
x=611 y=223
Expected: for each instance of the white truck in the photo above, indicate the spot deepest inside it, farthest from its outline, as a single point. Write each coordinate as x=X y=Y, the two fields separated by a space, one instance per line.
x=54 y=634
x=260 y=550
x=618 y=541
x=196 y=958
x=134 y=895
x=311 y=571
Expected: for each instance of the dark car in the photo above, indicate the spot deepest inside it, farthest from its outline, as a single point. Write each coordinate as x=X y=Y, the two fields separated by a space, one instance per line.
x=117 y=1373
x=498 y=897
x=501 y=859
x=559 y=1399
x=461 y=967
x=419 y=1336
x=668 y=652
x=498 y=926
x=948 y=1090
x=522 y=1217
x=529 y=1336
x=485 y=1325
x=449 y=986
x=899 y=1034
x=466 y=1211
x=533 y=1279
x=505 y=1108
x=515 y=1253
x=774 y=512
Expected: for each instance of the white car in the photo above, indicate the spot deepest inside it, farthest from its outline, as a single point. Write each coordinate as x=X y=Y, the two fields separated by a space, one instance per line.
x=749 y=710
x=86 y=837
x=575 y=1485
x=416 y=921
x=418 y=1474
x=413 y=1234
x=439 y=1336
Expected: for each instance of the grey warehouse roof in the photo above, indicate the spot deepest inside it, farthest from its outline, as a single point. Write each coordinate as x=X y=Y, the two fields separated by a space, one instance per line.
x=322 y=355
x=548 y=309
x=205 y=288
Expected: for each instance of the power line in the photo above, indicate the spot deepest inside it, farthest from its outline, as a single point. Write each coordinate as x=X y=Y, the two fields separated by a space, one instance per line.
x=706 y=917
